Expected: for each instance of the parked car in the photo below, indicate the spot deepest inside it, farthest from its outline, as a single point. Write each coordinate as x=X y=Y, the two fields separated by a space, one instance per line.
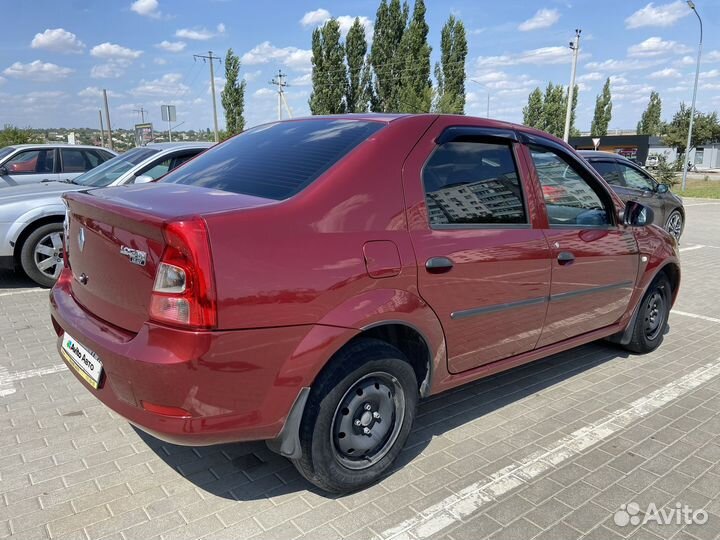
x=633 y=183
x=31 y=216
x=307 y=281
x=32 y=163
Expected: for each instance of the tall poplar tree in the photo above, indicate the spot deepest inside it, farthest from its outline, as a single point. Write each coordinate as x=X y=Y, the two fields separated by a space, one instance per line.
x=450 y=71
x=233 y=95
x=603 y=112
x=650 y=122
x=415 y=94
x=533 y=112
x=355 y=50
x=385 y=55
x=329 y=75
x=554 y=107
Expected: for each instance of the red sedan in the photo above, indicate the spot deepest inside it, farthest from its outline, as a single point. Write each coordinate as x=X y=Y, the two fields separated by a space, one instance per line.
x=307 y=281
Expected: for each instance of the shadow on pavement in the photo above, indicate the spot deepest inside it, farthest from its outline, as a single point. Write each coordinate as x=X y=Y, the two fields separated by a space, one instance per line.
x=15 y=280
x=250 y=471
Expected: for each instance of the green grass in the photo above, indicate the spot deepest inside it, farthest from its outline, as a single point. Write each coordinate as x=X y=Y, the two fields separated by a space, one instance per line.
x=704 y=189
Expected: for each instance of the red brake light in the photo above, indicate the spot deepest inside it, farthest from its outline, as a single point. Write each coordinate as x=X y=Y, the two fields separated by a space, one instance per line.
x=184 y=289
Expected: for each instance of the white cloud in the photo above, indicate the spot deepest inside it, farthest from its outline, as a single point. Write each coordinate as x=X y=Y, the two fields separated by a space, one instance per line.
x=592 y=76
x=250 y=76
x=302 y=80
x=57 y=40
x=710 y=74
x=627 y=64
x=37 y=71
x=712 y=56
x=655 y=46
x=160 y=61
x=261 y=92
x=112 y=51
x=146 y=8
x=543 y=55
x=662 y=15
x=314 y=18
x=111 y=70
x=200 y=34
x=3 y=80
x=167 y=85
x=292 y=57
x=171 y=46
x=667 y=73
x=543 y=18
x=346 y=21
x=95 y=92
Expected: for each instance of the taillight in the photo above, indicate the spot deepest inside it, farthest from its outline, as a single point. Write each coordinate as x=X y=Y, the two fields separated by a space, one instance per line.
x=184 y=289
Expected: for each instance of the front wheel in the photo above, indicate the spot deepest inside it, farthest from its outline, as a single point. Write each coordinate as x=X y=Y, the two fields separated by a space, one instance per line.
x=41 y=256
x=652 y=317
x=674 y=224
x=358 y=417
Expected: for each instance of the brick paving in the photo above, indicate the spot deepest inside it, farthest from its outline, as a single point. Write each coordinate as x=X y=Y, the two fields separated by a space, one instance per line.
x=71 y=468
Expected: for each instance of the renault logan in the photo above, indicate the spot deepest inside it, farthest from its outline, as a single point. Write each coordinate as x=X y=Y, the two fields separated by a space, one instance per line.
x=307 y=281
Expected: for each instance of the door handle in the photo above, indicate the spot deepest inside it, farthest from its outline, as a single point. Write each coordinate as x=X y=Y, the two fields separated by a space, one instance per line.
x=438 y=265
x=565 y=257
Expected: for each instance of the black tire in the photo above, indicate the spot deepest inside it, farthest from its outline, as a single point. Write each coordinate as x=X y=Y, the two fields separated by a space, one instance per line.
x=675 y=224
x=652 y=317
x=367 y=373
x=29 y=256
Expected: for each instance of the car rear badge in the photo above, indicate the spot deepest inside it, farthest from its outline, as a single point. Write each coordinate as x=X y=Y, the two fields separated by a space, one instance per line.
x=135 y=255
x=81 y=239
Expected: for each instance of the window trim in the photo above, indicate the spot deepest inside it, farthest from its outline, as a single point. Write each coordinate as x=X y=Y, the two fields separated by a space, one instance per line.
x=584 y=170
x=480 y=135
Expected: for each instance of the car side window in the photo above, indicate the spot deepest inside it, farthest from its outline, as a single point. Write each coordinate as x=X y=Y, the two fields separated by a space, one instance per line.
x=474 y=183
x=157 y=170
x=635 y=179
x=569 y=198
x=74 y=161
x=92 y=158
x=32 y=162
x=609 y=171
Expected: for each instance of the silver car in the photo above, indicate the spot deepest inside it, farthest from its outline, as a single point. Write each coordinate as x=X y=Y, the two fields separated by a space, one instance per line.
x=31 y=163
x=31 y=216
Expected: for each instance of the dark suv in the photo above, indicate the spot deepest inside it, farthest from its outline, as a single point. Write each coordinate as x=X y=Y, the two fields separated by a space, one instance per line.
x=307 y=281
x=633 y=183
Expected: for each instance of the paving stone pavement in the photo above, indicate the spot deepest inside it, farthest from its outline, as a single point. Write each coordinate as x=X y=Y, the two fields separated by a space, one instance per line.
x=71 y=468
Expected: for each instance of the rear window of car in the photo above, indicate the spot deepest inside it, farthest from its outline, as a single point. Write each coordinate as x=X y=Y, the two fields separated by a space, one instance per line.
x=275 y=161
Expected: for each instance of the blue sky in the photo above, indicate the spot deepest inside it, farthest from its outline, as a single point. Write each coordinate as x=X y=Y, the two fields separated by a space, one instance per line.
x=56 y=55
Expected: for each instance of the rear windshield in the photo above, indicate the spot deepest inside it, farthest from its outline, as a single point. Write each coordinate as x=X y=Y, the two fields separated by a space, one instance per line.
x=275 y=161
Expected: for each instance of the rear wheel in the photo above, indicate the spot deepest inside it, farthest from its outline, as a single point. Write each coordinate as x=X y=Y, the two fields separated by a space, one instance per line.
x=358 y=417
x=674 y=224
x=652 y=317
x=41 y=256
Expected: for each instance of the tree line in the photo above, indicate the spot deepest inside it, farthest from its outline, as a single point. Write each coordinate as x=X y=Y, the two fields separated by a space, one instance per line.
x=394 y=74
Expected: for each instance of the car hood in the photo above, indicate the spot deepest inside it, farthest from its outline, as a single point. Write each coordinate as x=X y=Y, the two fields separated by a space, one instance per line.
x=31 y=192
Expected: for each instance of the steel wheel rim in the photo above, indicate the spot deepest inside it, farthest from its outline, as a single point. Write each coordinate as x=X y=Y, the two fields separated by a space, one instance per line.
x=654 y=315
x=367 y=420
x=48 y=255
x=674 y=225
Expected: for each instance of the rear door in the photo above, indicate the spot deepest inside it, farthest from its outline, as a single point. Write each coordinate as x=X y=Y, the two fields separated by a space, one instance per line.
x=483 y=268
x=594 y=259
x=30 y=166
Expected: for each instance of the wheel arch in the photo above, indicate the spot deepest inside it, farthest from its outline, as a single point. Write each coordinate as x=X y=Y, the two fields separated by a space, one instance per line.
x=26 y=231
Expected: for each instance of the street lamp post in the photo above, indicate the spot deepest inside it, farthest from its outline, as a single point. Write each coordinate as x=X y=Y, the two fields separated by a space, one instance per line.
x=488 y=95
x=691 y=5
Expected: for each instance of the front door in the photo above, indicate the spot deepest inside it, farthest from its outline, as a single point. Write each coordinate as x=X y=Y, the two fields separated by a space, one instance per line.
x=594 y=258
x=29 y=167
x=483 y=268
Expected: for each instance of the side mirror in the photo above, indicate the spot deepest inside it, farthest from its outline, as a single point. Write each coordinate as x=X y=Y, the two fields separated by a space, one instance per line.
x=3 y=170
x=143 y=179
x=662 y=188
x=637 y=214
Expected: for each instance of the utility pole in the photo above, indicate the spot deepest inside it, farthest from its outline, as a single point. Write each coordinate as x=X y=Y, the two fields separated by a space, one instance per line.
x=575 y=46
x=280 y=80
x=107 y=117
x=691 y=5
x=211 y=58
x=102 y=130
x=142 y=114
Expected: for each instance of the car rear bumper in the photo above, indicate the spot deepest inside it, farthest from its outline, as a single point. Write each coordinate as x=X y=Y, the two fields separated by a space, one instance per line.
x=229 y=382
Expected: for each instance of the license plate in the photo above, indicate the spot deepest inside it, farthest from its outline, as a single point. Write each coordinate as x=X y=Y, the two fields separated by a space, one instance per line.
x=83 y=360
